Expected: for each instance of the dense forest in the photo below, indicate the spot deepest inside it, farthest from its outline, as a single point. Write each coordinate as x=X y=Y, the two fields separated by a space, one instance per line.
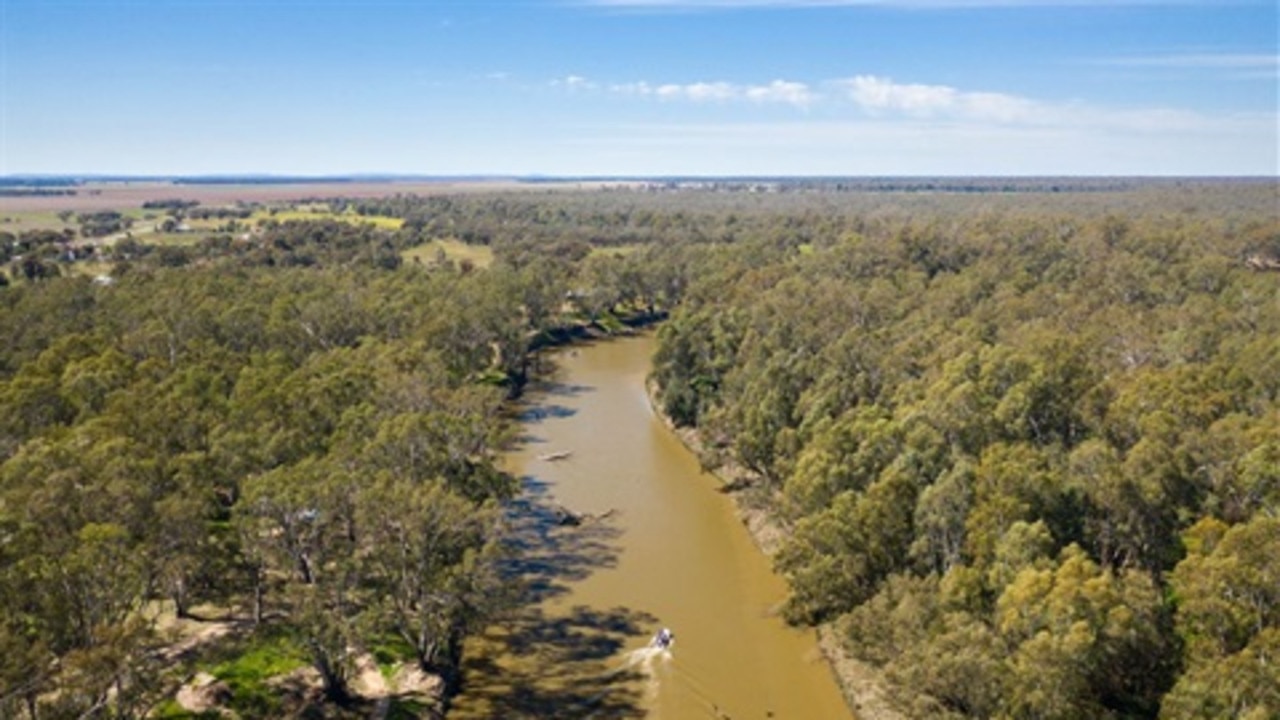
x=1029 y=461
x=292 y=428
x=310 y=445
x=1026 y=444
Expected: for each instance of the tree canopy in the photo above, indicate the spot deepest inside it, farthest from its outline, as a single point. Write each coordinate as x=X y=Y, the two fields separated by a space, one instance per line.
x=1027 y=458
x=1024 y=437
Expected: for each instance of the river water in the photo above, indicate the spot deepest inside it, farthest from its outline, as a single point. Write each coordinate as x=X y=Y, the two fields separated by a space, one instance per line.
x=663 y=549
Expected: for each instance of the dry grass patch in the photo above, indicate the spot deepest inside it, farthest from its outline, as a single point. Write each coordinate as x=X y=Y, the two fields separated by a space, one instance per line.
x=479 y=255
x=319 y=212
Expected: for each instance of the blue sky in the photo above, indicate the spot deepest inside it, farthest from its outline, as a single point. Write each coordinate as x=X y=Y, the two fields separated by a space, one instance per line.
x=640 y=87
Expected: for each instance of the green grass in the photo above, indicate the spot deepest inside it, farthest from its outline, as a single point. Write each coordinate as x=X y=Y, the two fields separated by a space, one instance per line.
x=390 y=651
x=145 y=222
x=16 y=221
x=480 y=255
x=319 y=212
x=88 y=268
x=160 y=238
x=610 y=323
x=404 y=709
x=249 y=665
x=492 y=376
x=266 y=657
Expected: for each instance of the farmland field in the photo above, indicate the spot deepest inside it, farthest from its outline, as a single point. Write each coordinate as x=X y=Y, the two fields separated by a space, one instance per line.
x=124 y=195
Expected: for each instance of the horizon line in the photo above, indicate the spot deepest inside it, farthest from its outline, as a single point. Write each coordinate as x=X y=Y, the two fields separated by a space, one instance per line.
x=391 y=177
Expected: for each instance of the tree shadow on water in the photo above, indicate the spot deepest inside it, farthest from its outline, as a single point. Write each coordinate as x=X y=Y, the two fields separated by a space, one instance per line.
x=544 y=411
x=583 y=634
x=557 y=666
x=559 y=389
x=543 y=553
x=555 y=663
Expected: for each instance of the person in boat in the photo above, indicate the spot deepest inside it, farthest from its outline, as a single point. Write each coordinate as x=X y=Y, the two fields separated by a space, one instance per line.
x=663 y=639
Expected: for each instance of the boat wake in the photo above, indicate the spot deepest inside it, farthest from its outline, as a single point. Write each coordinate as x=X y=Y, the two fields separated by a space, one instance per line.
x=646 y=661
x=656 y=664
x=642 y=661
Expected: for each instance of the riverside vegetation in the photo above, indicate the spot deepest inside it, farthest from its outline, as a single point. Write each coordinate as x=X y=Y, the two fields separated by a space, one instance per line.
x=291 y=430
x=1024 y=436
x=1029 y=462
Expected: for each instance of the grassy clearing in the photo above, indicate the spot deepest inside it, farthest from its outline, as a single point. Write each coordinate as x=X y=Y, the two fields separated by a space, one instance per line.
x=22 y=220
x=163 y=238
x=480 y=255
x=143 y=228
x=145 y=222
x=248 y=665
x=265 y=655
x=320 y=212
x=87 y=268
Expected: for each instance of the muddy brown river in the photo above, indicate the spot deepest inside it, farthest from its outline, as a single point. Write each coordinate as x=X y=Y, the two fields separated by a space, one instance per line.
x=658 y=547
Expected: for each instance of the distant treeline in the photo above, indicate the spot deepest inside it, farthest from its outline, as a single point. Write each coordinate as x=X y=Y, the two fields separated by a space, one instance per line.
x=898 y=184
x=37 y=182
x=640 y=215
x=172 y=204
x=35 y=192
x=278 y=180
x=826 y=184
x=192 y=209
x=220 y=213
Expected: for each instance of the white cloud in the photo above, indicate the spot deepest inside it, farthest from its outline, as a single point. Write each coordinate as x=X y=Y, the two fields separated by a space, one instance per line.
x=881 y=96
x=999 y=107
x=669 y=91
x=878 y=94
x=712 y=91
x=925 y=109
x=574 y=82
x=780 y=92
